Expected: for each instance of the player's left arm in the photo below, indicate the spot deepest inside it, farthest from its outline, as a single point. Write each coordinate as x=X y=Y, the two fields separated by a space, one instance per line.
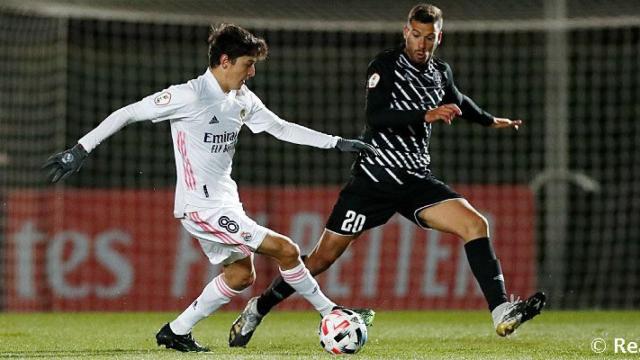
x=470 y=110
x=297 y=134
x=262 y=119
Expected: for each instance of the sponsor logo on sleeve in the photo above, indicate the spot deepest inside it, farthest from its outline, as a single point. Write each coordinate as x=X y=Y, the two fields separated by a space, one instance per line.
x=163 y=99
x=373 y=80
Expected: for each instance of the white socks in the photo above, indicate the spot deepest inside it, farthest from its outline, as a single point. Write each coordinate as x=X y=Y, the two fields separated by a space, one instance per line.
x=214 y=295
x=301 y=280
x=218 y=293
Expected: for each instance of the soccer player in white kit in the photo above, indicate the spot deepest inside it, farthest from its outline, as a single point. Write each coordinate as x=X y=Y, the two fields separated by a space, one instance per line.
x=206 y=115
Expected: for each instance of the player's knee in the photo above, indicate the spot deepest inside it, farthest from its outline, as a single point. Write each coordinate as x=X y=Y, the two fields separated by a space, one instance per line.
x=474 y=227
x=247 y=280
x=240 y=280
x=289 y=251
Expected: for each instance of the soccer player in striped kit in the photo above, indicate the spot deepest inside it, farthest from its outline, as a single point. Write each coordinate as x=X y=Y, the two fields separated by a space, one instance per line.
x=408 y=90
x=206 y=115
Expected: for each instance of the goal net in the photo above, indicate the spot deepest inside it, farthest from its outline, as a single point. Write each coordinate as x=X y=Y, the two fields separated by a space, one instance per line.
x=561 y=194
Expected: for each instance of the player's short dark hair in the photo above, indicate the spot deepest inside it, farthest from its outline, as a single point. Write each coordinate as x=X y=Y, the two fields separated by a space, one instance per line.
x=235 y=42
x=426 y=14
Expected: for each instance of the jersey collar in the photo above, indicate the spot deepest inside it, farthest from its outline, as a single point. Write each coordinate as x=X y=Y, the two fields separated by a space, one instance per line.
x=214 y=87
x=416 y=67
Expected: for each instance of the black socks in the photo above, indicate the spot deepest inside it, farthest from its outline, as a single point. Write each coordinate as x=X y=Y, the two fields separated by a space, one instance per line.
x=486 y=269
x=273 y=295
x=482 y=260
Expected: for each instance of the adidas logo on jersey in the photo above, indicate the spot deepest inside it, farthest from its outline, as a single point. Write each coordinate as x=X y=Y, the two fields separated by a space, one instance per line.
x=214 y=120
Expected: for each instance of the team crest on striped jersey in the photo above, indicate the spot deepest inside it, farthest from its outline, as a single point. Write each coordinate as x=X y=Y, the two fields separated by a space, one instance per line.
x=373 y=80
x=163 y=99
x=437 y=78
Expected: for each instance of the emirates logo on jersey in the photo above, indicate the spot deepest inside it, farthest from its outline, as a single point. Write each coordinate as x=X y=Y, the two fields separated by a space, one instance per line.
x=221 y=142
x=220 y=138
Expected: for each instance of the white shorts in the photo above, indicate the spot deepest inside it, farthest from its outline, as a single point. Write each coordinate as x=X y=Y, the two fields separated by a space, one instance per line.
x=226 y=234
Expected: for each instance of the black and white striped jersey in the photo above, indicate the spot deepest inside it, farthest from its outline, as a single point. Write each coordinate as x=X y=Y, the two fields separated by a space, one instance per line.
x=399 y=93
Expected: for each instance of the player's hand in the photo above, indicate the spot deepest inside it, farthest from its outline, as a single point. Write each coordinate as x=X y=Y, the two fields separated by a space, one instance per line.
x=353 y=145
x=65 y=163
x=444 y=113
x=501 y=123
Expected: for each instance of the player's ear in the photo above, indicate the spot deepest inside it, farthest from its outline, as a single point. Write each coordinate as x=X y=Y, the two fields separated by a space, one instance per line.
x=224 y=61
x=440 y=37
x=405 y=32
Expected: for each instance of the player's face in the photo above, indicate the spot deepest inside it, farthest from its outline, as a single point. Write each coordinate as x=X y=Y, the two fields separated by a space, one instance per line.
x=421 y=41
x=242 y=70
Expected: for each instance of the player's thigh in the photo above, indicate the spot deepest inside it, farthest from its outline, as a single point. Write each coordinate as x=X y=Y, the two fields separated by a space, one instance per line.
x=421 y=193
x=455 y=216
x=225 y=234
x=278 y=246
x=329 y=248
x=359 y=208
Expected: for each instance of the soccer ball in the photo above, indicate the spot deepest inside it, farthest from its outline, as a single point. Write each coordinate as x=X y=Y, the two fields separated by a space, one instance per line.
x=342 y=331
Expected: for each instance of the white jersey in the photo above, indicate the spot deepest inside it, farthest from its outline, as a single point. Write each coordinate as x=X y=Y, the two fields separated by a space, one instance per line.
x=205 y=123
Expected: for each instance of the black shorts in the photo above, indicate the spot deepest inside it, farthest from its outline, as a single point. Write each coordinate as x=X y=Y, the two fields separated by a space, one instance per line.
x=365 y=203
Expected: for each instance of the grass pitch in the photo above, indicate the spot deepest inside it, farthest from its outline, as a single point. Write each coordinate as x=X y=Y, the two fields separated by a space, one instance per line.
x=395 y=335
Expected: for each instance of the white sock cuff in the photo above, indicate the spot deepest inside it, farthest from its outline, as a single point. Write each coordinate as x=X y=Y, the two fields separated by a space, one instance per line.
x=295 y=274
x=223 y=288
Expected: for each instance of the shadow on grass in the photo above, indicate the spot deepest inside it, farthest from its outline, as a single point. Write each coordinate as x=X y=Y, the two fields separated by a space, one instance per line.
x=77 y=353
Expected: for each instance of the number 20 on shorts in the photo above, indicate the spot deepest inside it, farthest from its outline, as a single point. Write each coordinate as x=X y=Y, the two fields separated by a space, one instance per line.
x=353 y=222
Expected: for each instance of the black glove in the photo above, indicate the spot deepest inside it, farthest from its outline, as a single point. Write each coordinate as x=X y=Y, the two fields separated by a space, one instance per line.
x=63 y=164
x=352 y=145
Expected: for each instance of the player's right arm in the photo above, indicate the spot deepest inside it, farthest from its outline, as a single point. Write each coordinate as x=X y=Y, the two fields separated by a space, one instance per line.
x=379 y=113
x=65 y=163
x=157 y=107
